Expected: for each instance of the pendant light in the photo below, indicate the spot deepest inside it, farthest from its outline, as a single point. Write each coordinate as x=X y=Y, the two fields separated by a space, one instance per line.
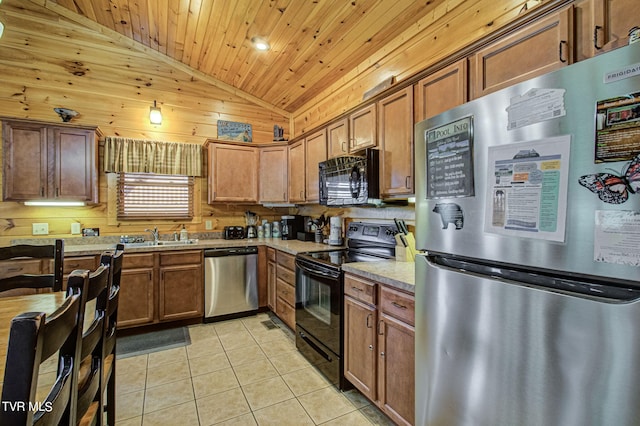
x=155 y=114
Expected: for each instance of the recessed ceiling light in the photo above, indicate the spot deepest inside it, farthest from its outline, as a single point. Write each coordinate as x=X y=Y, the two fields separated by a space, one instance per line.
x=260 y=44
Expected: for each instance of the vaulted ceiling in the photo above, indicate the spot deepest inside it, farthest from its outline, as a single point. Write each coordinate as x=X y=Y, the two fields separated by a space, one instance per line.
x=314 y=43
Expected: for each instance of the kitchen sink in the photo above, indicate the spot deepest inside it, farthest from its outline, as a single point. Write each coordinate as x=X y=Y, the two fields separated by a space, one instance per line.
x=159 y=243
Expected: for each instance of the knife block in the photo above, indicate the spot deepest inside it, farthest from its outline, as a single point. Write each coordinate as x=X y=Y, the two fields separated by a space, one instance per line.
x=403 y=254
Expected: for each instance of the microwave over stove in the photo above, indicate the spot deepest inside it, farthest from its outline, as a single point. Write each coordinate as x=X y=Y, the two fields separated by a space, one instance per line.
x=350 y=180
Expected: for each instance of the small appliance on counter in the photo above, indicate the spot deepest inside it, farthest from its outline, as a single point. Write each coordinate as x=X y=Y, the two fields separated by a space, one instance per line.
x=234 y=232
x=291 y=224
x=252 y=220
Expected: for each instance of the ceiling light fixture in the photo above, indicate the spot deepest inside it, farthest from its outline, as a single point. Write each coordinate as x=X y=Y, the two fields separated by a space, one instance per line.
x=155 y=114
x=260 y=44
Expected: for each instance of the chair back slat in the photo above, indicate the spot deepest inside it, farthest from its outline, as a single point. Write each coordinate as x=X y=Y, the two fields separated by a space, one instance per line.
x=51 y=280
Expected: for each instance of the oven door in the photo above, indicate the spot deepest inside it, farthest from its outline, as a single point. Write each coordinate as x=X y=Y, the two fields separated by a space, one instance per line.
x=319 y=302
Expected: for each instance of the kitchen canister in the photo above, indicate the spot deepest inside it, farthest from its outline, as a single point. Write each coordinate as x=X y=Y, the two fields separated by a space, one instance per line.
x=335 y=231
x=267 y=229
x=275 y=229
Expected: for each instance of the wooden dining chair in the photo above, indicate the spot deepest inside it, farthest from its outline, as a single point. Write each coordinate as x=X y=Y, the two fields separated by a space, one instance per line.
x=33 y=338
x=17 y=275
x=89 y=399
x=108 y=384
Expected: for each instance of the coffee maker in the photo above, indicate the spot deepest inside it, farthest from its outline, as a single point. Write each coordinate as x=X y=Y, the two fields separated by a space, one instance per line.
x=291 y=224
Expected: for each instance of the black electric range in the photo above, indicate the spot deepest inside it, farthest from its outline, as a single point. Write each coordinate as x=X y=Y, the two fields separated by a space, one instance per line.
x=320 y=292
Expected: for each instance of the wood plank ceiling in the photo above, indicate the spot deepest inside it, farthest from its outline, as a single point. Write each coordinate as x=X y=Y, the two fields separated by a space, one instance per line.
x=314 y=43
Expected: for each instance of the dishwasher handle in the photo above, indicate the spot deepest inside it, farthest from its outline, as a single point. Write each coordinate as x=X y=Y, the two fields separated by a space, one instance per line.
x=230 y=251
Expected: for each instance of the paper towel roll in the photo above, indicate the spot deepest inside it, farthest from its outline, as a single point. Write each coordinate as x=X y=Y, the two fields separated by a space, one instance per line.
x=335 y=231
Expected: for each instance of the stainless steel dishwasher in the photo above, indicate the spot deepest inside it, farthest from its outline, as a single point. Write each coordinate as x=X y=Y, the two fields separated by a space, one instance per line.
x=230 y=281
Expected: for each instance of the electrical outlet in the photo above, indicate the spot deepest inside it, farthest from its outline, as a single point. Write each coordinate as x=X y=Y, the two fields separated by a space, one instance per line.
x=40 y=228
x=208 y=225
x=75 y=228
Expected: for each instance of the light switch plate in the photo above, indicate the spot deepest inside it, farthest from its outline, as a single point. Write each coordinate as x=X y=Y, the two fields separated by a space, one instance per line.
x=40 y=228
x=75 y=228
x=208 y=225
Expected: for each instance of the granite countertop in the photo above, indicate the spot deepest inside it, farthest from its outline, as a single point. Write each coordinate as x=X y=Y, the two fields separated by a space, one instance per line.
x=289 y=246
x=400 y=275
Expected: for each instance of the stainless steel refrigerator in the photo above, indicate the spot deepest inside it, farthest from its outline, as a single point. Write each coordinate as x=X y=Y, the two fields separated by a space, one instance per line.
x=528 y=208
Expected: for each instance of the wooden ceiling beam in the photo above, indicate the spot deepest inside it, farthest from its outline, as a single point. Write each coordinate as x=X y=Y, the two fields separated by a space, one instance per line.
x=140 y=47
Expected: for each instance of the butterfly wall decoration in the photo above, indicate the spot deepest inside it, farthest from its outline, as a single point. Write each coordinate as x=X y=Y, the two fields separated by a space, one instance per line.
x=611 y=188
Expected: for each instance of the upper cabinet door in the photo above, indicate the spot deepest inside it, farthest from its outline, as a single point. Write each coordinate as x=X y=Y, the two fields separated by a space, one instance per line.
x=297 y=185
x=602 y=25
x=395 y=128
x=338 y=138
x=75 y=171
x=441 y=91
x=362 y=129
x=540 y=47
x=233 y=173
x=273 y=174
x=25 y=161
x=316 y=151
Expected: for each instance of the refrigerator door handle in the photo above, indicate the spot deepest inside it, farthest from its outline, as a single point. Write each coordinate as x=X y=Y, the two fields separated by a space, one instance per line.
x=613 y=291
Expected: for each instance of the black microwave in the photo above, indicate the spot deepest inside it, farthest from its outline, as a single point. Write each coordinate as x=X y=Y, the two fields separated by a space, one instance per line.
x=350 y=180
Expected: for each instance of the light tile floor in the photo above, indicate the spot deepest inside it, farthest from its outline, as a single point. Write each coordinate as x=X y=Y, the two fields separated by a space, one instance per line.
x=235 y=372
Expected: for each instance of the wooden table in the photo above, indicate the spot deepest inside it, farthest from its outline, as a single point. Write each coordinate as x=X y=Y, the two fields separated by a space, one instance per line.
x=15 y=305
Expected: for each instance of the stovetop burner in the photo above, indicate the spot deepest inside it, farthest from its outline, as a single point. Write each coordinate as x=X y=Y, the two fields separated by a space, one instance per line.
x=367 y=243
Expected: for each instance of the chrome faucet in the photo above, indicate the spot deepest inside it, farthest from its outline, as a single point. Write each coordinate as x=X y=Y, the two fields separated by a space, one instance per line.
x=154 y=234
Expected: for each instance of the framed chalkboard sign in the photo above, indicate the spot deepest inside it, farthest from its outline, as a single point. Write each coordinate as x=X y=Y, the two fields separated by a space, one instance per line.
x=232 y=131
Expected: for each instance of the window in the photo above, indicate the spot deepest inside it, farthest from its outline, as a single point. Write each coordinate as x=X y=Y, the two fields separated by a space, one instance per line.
x=154 y=196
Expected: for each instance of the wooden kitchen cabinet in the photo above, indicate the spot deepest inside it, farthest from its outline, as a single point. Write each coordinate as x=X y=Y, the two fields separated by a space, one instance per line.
x=540 y=47
x=285 y=288
x=161 y=287
x=233 y=173
x=297 y=172
x=338 y=138
x=136 y=304
x=362 y=129
x=379 y=345
x=395 y=132
x=274 y=174
x=602 y=25
x=181 y=285
x=71 y=263
x=360 y=346
x=315 y=152
x=48 y=161
x=271 y=278
x=441 y=91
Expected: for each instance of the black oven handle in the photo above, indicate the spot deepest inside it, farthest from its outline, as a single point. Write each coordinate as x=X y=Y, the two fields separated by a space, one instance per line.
x=314 y=346
x=310 y=269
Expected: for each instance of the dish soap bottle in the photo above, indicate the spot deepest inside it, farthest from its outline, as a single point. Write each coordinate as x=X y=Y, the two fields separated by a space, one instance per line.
x=184 y=235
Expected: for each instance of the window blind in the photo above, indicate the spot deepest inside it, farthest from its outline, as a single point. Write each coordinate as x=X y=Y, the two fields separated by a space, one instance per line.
x=154 y=196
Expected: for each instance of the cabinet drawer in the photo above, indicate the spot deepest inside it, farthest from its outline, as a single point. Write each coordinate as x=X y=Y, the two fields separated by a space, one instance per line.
x=286 y=292
x=360 y=289
x=286 y=260
x=80 y=262
x=398 y=305
x=271 y=254
x=134 y=261
x=286 y=312
x=286 y=275
x=19 y=267
x=180 y=257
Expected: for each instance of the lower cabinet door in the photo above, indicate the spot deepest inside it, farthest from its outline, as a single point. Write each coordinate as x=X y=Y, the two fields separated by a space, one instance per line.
x=396 y=368
x=180 y=292
x=136 y=303
x=360 y=346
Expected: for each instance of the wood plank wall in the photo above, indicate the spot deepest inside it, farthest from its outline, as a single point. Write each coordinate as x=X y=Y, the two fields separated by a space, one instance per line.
x=453 y=25
x=47 y=62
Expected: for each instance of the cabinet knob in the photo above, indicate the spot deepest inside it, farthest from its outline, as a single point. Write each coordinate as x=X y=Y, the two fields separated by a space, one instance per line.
x=371 y=347
x=381 y=354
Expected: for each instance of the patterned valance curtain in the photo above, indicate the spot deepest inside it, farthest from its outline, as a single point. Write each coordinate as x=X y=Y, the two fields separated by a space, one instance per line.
x=143 y=156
